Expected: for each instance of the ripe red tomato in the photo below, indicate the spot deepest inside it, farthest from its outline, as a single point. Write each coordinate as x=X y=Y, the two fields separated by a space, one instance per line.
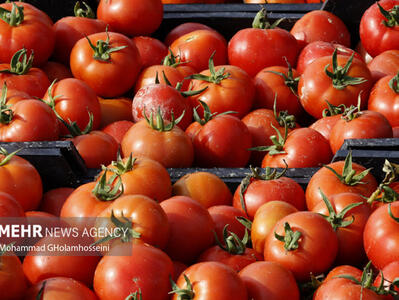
x=221 y=141
x=267 y=280
x=38 y=266
x=102 y=62
x=17 y=176
x=218 y=281
x=325 y=125
x=166 y=99
x=196 y=47
x=320 y=25
x=266 y=217
x=148 y=220
x=324 y=179
x=26 y=27
x=384 y=98
x=69 y=30
x=54 y=199
x=385 y=63
x=183 y=29
x=278 y=84
x=374 y=24
x=223 y=215
x=18 y=74
x=142 y=176
x=191 y=228
x=118 y=129
x=366 y=124
x=342 y=270
x=249 y=48
x=131 y=17
x=12 y=278
x=56 y=71
x=60 y=288
x=258 y=189
x=302 y=148
x=381 y=235
x=319 y=49
x=315 y=248
x=193 y=185
x=260 y=124
x=152 y=51
x=350 y=236
x=390 y=273
x=9 y=207
x=165 y=143
x=228 y=88
x=323 y=82
x=73 y=100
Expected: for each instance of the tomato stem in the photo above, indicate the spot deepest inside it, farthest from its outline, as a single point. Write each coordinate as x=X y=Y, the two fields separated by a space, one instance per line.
x=216 y=77
x=340 y=79
x=6 y=113
x=283 y=117
x=20 y=63
x=121 y=167
x=289 y=80
x=333 y=110
x=102 y=50
x=291 y=238
x=14 y=17
x=85 y=12
x=384 y=193
x=392 y=15
x=394 y=83
x=170 y=60
x=160 y=123
x=232 y=243
x=260 y=21
x=108 y=190
x=208 y=115
x=182 y=294
x=135 y=296
x=7 y=156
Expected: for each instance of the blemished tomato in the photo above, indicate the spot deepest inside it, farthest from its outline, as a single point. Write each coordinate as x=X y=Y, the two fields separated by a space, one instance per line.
x=260 y=124
x=118 y=129
x=267 y=280
x=384 y=98
x=385 y=63
x=143 y=176
x=196 y=47
x=223 y=141
x=258 y=189
x=350 y=237
x=131 y=17
x=331 y=184
x=146 y=269
x=102 y=62
x=54 y=199
x=320 y=25
x=322 y=81
x=313 y=252
x=167 y=144
x=12 y=278
x=194 y=184
x=69 y=30
x=19 y=75
x=266 y=217
x=223 y=215
x=183 y=29
x=375 y=24
x=37 y=266
x=218 y=281
x=113 y=110
x=280 y=88
x=147 y=219
x=302 y=148
x=249 y=48
x=9 y=207
x=152 y=51
x=60 y=288
x=26 y=27
x=191 y=228
x=73 y=100
x=56 y=71
x=228 y=88
x=166 y=99
x=366 y=124
x=318 y=49
x=106 y=148
x=381 y=235
x=17 y=176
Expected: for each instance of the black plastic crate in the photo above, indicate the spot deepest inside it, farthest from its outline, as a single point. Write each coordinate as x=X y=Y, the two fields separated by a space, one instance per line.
x=370 y=153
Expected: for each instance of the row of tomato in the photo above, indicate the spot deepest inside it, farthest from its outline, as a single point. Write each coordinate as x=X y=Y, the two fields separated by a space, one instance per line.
x=168 y=97
x=269 y=240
